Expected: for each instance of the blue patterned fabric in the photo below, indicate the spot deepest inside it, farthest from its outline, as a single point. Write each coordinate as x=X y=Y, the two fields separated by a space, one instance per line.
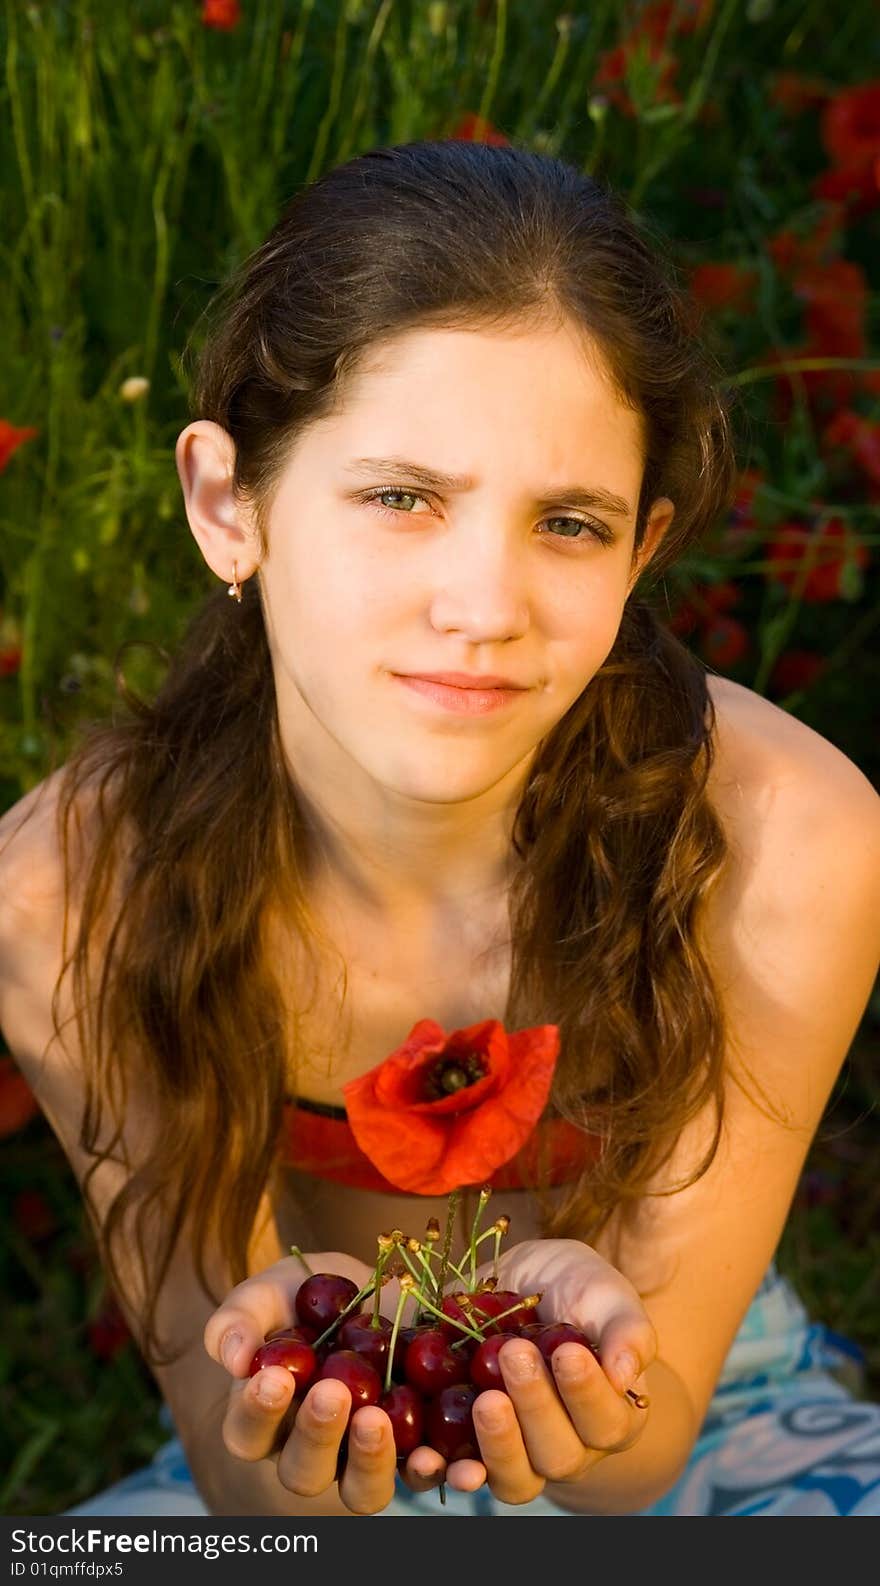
x=784 y=1435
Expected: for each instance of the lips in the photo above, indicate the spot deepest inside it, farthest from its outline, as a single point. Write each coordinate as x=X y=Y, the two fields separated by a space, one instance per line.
x=466 y=680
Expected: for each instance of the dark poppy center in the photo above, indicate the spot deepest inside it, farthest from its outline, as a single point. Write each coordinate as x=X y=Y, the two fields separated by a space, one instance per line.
x=450 y=1074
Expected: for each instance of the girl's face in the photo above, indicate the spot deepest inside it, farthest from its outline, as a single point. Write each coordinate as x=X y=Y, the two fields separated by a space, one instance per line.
x=510 y=570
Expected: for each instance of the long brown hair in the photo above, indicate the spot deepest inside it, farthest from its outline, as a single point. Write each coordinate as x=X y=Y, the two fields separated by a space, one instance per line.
x=618 y=843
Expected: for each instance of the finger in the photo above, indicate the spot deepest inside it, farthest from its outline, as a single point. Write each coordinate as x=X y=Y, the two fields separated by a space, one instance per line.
x=601 y=1419
x=367 y=1483
x=627 y=1344
x=556 y=1448
x=258 y=1306
x=424 y=1469
x=255 y=1412
x=509 y=1471
x=307 y=1462
x=466 y=1475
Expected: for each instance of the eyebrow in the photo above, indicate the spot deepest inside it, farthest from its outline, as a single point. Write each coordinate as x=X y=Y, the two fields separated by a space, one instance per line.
x=585 y=496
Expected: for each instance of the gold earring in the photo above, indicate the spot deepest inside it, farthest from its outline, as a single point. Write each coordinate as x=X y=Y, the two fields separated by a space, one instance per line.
x=235 y=587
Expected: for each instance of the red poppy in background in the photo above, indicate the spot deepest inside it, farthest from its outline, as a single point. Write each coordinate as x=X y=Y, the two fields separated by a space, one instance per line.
x=825 y=548
x=794 y=93
x=224 y=15
x=476 y=129
x=792 y=253
x=851 y=125
x=724 y=641
x=796 y=669
x=10 y=440
x=835 y=295
x=860 y=437
x=850 y=128
x=612 y=70
x=108 y=1332
x=10 y=660
x=445 y=1111
x=33 y=1216
x=18 y=1104
x=723 y=285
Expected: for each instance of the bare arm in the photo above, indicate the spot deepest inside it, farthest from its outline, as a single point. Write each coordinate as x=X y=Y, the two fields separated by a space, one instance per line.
x=799 y=946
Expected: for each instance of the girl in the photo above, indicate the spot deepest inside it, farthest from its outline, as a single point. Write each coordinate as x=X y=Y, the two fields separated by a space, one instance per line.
x=438 y=758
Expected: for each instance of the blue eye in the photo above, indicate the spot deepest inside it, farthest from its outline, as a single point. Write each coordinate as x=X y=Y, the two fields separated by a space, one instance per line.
x=598 y=531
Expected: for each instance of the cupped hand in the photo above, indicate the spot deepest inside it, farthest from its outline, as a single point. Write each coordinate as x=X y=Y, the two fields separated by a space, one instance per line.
x=556 y=1422
x=303 y=1439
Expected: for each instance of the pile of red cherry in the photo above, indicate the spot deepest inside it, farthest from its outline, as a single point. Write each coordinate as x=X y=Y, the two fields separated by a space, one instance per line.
x=425 y=1376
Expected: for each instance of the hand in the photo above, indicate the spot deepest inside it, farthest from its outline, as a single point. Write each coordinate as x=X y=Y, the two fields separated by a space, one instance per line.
x=303 y=1442
x=559 y=1422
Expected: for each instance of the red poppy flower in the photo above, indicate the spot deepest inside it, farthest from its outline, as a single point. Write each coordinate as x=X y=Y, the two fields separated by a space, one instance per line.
x=33 y=1216
x=221 y=14
x=108 y=1332
x=794 y=93
x=854 y=187
x=825 y=549
x=10 y=440
x=849 y=431
x=724 y=641
x=851 y=124
x=18 y=1104
x=444 y=1111
x=476 y=129
x=835 y=295
x=723 y=285
x=796 y=669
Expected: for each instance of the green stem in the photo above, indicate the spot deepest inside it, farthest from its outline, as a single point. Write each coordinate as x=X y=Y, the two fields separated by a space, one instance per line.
x=295 y=1251
x=453 y=1321
x=451 y=1209
x=392 y=1343
x=363 y=1294
x=482 y=1201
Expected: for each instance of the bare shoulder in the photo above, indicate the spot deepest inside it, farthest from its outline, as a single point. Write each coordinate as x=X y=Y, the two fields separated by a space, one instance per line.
x=32 y=906
x=777 y=782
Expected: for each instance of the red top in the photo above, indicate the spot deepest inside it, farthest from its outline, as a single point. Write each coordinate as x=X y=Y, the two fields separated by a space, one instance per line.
x=318 y=1139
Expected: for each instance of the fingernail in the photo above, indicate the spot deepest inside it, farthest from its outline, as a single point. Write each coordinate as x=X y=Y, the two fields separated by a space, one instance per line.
x=567 y=1363
x=522 y=1362
x=367 y=1436
x=325 y=1404
x=626 y=1369
x=270 y=1391
x=229 y=1348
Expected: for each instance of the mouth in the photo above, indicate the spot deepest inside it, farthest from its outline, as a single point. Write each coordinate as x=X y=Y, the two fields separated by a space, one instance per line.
x=471 y=697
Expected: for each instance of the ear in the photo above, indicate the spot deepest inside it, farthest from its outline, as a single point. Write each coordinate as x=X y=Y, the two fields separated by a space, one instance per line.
x=659 y=520
x=224 y=532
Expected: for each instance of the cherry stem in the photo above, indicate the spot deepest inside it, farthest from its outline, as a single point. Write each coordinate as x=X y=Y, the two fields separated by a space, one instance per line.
x=453 y=1320
x=392 y=1343
x=434 y=1255
x=451 y=1209
x=382 y=1262
x=485 y=1192
x=295 y=1251
x=363 y=1294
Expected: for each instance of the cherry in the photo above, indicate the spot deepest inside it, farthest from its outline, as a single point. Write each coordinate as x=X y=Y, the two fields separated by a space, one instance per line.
x=531 y=1330
x=294 y=1353
x=484 y=1368
x=477 y=1312
x=555 y=1333
x=405 y=1337
x=429 y=1363
x=361 y=1379
x=357 y=1332
x=322 y=1298
x=449 y=1423
x=405 y=1409
x=306 y=1335
x=523 y=1316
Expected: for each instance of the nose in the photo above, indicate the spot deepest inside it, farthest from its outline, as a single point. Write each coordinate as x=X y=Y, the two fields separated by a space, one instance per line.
x=482 y=589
